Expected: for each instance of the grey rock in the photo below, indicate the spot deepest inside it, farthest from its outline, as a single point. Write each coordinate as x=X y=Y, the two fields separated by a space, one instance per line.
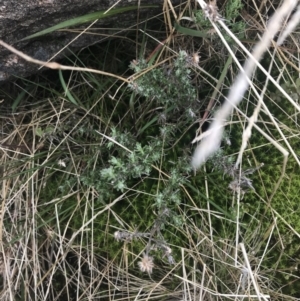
x=19 y=19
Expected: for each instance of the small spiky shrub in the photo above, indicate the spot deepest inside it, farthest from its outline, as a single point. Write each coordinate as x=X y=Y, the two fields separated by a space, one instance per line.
x=101 y=201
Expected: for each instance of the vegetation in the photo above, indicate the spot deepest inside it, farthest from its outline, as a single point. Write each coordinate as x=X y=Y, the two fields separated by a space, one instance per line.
x=99 y=197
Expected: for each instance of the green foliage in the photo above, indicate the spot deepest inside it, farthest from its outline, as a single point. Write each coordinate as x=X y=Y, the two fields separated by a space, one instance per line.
x=233 y=9
x=128 y=161
x=258 y=204
x=135 y=165
x=231 y=14
x=169 y=86
x=142 y=160
x=117 y=170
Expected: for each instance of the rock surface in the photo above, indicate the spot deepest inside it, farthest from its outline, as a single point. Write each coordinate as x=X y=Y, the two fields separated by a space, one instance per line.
x=19 y=19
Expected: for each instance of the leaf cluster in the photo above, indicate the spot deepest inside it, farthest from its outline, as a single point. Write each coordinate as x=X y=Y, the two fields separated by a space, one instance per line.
x=169 y=85
x=231 y=13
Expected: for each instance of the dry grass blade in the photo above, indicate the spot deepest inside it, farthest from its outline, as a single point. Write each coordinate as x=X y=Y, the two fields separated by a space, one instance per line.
x=99 y=200
x=212 y=143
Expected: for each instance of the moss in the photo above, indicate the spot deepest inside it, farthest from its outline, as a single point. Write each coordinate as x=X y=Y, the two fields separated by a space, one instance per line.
x=285 y=201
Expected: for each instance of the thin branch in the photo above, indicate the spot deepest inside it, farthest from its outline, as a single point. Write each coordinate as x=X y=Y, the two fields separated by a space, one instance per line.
x=54 y=65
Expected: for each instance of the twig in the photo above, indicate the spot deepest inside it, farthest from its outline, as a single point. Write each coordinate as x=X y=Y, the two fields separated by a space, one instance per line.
x=54 y=65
